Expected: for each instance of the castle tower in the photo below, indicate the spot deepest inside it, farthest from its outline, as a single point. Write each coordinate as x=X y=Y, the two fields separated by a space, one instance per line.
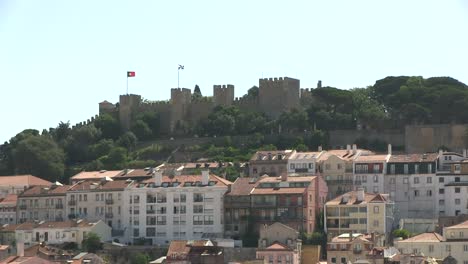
x=180 y=102
x=277 y=95
x=223 y=95
x=128 y=105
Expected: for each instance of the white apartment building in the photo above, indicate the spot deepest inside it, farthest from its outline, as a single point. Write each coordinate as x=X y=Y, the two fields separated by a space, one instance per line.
x=454 y=242
x=8 y=209
x=410 y=179
x=98 y=200
x=57 y=233
x=369 y=173
x=303 y=163
x=183 y=207
x=42 y=203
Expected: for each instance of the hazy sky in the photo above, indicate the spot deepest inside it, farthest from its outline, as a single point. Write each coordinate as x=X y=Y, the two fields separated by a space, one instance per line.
x=59 y=59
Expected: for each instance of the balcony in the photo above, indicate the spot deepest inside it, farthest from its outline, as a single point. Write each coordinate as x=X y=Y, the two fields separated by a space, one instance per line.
x=357 y=250
x=198 y=199
x=109 y=215
x=209 y=200
x=150 y=211
x=109 y=201
x=23 y=207
x=264 y=204
x=59 y=206
x=339 y=182
x=72 y=202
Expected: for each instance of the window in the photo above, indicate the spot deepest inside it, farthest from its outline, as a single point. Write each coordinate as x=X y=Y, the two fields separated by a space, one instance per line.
x=97 y=197
x=343 y=260
x=376 y=209
x=441 y=180
x=429 y=179
x=457 y=168
x=376 y=178
x=85 y=197
x=416 y=168
x=136 y=232
x=209 y=219
x=333 y=260
x=161 y=220
x=198 y=209
x=376 y=168
x=441 y=202
x=416 y=180
x=457 y=179
x=364 y=178
x=392 y=180
x=457 y=189
x=416 y=193
x=339 y=166
x=431 y=248
x=441 y=191
x=457 y=201
x=465 y=248
x=197 y=220
x=405 y=169
x=376 y=189
x=448 y=248
x=405 y=180
x=198 y=197
x=429 y=193
x=392 y=169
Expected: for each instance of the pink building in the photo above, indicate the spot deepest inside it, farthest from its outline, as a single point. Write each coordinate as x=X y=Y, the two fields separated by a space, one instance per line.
x=278 y=253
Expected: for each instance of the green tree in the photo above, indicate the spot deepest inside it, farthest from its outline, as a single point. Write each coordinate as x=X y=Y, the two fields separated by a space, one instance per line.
x=153 y=120
x=108 y=125
x=116 y=159
x=140 y=258
x=77 y=144
x=403 y=233
x=128 y=141
x=40 y=156
x=141 y=130
x=103 y=147
x=92 y=243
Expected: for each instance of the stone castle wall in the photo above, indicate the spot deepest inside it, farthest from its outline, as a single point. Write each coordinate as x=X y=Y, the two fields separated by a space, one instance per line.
x=223 y=95
x=277 y=95
x=429 y=138
x=347 y=136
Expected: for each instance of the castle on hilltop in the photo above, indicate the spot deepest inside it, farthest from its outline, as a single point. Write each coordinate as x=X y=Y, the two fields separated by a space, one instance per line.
x=275 y=95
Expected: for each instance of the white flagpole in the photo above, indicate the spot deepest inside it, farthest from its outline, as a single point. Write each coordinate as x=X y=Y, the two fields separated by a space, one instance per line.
x=127 y=83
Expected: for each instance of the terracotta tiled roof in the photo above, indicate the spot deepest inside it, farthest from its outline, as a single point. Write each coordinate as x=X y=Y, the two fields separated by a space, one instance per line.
x=65 y=224
x=263 y=155
x=289 y=179
x=424 y=237
x=242 y=186
x=183 y=179
x=9 y=199
x=26 y=180
x=178 y=249
x=461 y=225
x=90 y=175
x=260 y=191
x=45 y=190
x=305 y=155
x=371 y=158
x=352 y=199
x=27 y=260
x=100 y=185
x=429 y=157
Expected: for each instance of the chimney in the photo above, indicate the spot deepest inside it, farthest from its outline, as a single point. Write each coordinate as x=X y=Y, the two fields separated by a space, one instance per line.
x=284 y=177
x=441 y=152
x=205 y=177
x=20 y=249
x=464 y=153
x=158 y=178
x=389 y=149
x=348 y=148
x=373 y=237
x=319 y=148
x=360 y=195
x=354 y=148
x=350 y=236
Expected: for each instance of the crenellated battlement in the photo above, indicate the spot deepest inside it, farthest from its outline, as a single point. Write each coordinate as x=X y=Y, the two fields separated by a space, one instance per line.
x=223 y=94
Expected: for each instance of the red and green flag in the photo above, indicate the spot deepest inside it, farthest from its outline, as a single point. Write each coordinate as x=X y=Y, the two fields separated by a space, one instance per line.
x=130 y=74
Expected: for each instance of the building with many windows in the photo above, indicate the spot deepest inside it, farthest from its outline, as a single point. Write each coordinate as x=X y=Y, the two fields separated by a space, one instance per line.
x=369 y=171
x=454 y=243
x=359 y=212
x=349 y=248
x=303 y=163
x=182 y=207
x=8 y=209
x=98 y=200
x=18 y=183
x=410 y=180
x=272 y=163
x=42 y=203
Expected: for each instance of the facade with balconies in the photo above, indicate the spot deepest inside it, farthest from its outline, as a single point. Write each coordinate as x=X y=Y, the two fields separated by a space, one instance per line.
x=42 y=203
x=349 y=247
x=359 y=212
x=98 y=200
x=182 y=207
x=369 y=171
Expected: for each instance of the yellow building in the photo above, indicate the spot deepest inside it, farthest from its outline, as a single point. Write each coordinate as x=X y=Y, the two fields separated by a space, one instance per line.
x=359 y=212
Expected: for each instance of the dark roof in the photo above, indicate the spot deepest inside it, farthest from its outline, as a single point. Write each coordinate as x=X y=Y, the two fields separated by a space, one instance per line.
x=428 y=157
x=242 y=186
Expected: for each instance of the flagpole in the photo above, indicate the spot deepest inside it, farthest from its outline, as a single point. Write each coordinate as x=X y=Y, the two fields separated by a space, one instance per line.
x=178 y=70
x=127 y=83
